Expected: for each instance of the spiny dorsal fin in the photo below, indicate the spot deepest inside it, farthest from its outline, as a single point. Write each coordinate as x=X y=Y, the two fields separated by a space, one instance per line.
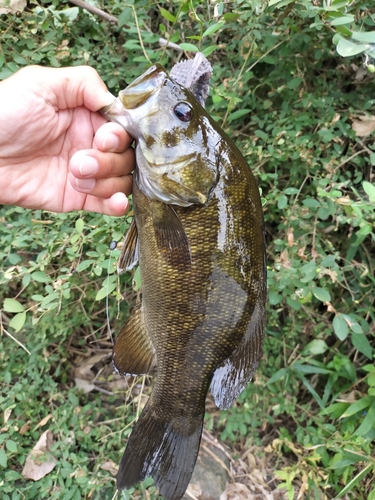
x=194 y=74
x=133 y=353
x=129 y=251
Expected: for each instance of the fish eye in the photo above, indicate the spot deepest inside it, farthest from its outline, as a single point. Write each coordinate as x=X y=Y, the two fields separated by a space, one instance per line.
x=183 y=111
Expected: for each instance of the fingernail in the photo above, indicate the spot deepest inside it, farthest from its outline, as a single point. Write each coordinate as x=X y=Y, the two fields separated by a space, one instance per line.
x=88 y=166
x=110 y=97
x=111 y=142
x=85 y=183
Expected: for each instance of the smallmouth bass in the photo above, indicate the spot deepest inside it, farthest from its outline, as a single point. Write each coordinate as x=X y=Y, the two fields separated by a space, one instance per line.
x=198 y=236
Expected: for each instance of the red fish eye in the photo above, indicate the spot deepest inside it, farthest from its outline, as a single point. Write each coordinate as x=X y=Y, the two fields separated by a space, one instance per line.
x=183 y=111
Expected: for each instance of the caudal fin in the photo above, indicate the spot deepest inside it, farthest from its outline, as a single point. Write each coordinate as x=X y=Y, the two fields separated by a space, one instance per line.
x=158 y=450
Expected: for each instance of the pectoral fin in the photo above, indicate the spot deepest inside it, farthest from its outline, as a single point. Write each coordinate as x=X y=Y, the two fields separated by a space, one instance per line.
x=235 y=373
x=130 y=250
x=134 y=353
x=170 y=235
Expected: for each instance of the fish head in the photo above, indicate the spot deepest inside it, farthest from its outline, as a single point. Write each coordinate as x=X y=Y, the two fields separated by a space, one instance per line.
x=175 y=151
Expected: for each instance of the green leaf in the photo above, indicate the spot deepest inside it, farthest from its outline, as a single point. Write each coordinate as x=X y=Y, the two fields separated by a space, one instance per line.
x=80 y=224
x=370 y=190
x=364 y=36
x=125 y=16
x=213 y=28
x=40 y=277
x=261 y=134
x=356 y=479
x=316 y=346
x=340 y=327
x=238 y=114
x=167 y=15
x=3 y=458
x=335 y=410
x=368 y=422
x=274 y=2
x=359 y=405
x=346 y=48
x=13 y=306
x=106 y=290
x=311 y=203
x=360 y=342
x=18 y=321
x=282 y=201
x=321 y=294
x=189 y=47
x=84 y=265
x=304 y=368
x=11 y=446
x=294 y=83
x=231 y=16
x=26 y=280
x=208 y=50
x=342 y=20
x=277 y=376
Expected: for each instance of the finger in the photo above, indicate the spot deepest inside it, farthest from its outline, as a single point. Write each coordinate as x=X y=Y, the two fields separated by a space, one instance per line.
x=94 y=164
x=111 y=137
x=103 y=188
x=117 y=205
x=70 y=87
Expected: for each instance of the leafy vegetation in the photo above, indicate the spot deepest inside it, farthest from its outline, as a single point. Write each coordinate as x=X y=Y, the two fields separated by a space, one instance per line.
x=302 y=115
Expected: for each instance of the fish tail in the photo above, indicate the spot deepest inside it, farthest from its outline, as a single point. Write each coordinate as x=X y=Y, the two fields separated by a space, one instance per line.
x=166 y=451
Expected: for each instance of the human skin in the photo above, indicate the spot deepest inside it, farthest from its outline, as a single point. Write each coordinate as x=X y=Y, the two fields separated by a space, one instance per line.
x=57 y=152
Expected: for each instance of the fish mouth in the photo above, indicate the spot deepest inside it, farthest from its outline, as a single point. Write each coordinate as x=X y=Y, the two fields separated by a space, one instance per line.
x=128 y=108
x=136 y=94
x=139 y=91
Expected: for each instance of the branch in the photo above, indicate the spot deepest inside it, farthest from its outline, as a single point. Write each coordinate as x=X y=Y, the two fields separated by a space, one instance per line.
x=113 y=20
x=95 y=10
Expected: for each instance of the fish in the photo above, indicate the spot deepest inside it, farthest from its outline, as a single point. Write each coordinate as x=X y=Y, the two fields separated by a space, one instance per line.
x=198 y=236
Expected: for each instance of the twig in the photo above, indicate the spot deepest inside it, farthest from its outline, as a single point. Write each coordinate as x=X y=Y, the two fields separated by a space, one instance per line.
x=349 y=159
x=95 y=10
x=114 y=20
x=2 y=329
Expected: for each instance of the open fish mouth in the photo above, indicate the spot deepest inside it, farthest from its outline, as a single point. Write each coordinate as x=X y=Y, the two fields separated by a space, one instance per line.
x=135 y=94
x=139 y=91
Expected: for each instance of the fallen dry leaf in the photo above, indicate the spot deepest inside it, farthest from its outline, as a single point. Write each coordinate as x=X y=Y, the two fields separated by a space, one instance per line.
x=12 y=6
x=7 y=414
x=110 y=466
x=237 y=491
x=25 y=427
x=84 y=385
x=83 y=370
x=44 y=421
x=193 y=491
x=40 y=461
x=363 y=125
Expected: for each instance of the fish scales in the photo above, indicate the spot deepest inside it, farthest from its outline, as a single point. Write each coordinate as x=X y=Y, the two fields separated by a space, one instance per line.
x=200 y=244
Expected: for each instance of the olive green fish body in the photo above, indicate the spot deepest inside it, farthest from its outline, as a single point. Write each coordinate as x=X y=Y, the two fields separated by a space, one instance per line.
x=199 y=238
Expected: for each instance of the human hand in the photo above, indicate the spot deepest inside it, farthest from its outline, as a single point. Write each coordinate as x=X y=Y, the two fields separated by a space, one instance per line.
x=56 y=152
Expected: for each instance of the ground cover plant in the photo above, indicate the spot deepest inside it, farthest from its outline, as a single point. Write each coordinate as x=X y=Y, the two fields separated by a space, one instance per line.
x=293 y=86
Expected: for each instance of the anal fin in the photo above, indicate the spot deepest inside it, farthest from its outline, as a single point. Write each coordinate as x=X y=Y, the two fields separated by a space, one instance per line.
x=133 y=353
x=231 y=378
